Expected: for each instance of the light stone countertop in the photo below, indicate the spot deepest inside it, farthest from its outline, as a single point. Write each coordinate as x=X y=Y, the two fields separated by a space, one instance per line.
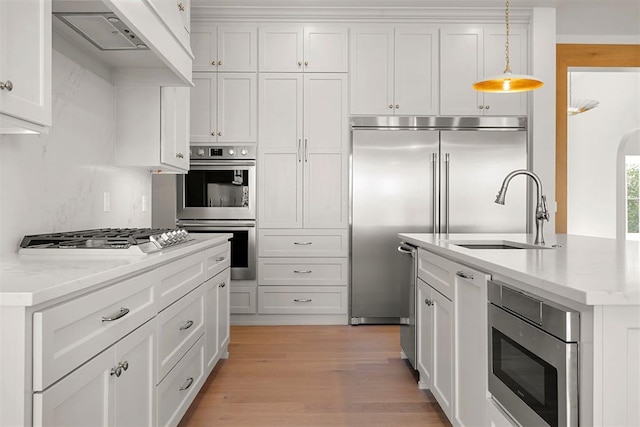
x=587 y=270
x=28 y=280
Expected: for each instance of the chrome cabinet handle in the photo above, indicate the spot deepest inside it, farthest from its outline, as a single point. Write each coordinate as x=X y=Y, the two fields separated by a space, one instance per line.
x=299 y=63
x=180 y=155
x=390 y=105
x=222 y=285
x=220 y=259
x=434 y=164
x=213 y=62
x=213 y=133
x=187 y=384
x=306 y=150
x=446 y=190
x=180 y=7
x=302 y=243
x=481 y=107
x=302 y=300
x=403 y=250
x=219 y=62
x=187 y=325
x=486 y=107
x=302 y=271
x=464 y=275
x=125 y=365
x=123 y=312
x=397 y=106
x=220 y=133
x=117 y=371
x=428 y=302
x=299 y=147
x=8 y=85
x=306 y=63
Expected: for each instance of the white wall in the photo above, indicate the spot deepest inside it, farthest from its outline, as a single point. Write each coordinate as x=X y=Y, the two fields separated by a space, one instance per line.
x=56 y=182
x=593 y=141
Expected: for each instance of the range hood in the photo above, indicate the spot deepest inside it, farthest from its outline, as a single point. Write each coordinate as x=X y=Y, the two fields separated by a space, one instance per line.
x=132 y=41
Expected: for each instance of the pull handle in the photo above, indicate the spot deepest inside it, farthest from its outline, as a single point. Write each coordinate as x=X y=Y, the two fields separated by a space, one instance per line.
x=187 y=325
x=302 y=271
x=306 y=150
x=187 y=384
x=404 y=250
x=428 y=302
x=8 y=85
x=434 y=167
x=447 y=161
x=299 y=147
x=220 y=258
x=464 y=275
x=180 y=155
x=222 y=285
x=302 y=299
x=123 y=312
x=302 y=243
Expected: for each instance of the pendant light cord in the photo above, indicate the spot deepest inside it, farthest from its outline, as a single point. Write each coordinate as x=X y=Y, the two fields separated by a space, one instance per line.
x=506 y=44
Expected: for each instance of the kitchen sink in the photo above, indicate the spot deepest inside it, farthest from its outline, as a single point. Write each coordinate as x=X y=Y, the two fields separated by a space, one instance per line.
x=496 y=244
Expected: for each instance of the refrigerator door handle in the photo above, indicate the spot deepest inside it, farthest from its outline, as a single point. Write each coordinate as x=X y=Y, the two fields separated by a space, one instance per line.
x=434 y=162
x=446 y=190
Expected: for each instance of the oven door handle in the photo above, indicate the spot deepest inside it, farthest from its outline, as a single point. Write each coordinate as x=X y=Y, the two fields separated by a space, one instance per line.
x=225 y=163
x=217 y=224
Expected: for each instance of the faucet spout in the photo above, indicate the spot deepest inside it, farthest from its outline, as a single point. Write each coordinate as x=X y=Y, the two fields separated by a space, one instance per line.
x=542 y=213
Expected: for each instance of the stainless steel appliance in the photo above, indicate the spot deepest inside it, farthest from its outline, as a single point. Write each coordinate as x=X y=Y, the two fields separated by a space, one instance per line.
x=533 y=357
x=105 y=241
x=218 y=195
x=424 y=175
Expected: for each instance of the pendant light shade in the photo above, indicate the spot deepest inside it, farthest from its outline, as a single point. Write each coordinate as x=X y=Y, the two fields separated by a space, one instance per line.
x=507 y=82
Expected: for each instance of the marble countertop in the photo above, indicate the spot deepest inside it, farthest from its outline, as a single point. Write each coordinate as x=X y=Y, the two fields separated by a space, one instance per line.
x=28 y=280
x=587 y=270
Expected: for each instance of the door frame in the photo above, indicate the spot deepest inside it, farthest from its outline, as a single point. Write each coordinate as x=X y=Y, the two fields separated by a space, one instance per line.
x=580 y=55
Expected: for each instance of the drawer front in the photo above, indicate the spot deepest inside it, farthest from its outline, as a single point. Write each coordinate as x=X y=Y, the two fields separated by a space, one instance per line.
x=217 y=259
x=180 y=387
x=67 y=335
x=303 y=271
x=242 y=300
x=438 y=272
x=179 y=326
x=303 y=243
x=302 y=300
x=180 y=277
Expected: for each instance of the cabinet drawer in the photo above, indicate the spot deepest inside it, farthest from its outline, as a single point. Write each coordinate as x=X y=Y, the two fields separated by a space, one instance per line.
x=303 y=243
x=242 y=299
x=438 y=272
x=180 y=387
x=303 y=271
x=302 y=300
x=179 y=326
x=67 y=335
x=179 y=277
x=217 y=259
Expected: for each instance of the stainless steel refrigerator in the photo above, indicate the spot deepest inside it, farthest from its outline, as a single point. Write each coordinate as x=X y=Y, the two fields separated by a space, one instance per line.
x=425 y=175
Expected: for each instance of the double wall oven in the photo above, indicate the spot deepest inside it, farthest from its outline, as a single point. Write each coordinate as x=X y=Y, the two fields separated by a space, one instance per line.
x=218 y=195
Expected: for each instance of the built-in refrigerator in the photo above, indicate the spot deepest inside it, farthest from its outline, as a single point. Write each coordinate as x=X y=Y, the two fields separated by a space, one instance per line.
x=425 y=175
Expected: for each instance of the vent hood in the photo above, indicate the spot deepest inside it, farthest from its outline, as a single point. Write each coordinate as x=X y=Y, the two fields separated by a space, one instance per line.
x=130 y=39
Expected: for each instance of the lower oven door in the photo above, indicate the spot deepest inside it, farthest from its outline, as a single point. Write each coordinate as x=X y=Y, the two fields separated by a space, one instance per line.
x=243 y=243
x=532 y=374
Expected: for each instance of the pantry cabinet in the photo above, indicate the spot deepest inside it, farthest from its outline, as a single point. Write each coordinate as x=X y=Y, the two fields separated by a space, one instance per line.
x=25 y=66
x=303 y=151
x=224 y=48
x=473 y=52
x=394 y=70
x=297 y=48
x=224 y=108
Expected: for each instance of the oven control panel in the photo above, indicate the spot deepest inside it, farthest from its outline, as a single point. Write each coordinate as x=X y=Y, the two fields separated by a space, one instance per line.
x=222 y=153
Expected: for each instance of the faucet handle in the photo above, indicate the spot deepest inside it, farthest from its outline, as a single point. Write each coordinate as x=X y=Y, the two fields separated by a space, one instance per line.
x=545 y=211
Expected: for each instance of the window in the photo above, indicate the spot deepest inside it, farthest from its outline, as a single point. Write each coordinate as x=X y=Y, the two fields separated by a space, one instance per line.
x=633 y=196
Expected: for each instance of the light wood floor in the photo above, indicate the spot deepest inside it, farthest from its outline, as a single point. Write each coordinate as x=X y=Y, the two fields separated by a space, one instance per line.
x=308 y=376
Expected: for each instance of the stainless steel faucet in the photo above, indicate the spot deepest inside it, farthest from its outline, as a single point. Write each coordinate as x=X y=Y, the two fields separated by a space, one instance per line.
x=542 y=214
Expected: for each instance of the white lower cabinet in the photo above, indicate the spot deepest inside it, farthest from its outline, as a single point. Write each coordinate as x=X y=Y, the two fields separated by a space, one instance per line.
x=217 y=291
x=302 y=300
x=117 y=387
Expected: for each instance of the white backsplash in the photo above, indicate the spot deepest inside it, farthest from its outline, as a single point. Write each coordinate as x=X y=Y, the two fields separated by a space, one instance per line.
x=56 y=182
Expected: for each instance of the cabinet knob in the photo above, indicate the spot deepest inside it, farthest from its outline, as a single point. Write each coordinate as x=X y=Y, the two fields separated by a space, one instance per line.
x=213 y=62
x=219 y=133
x=180 y=7
x=306 y=63
x=6 y=85
x=125 y=365
x=486 y=107
x=397 y=106
x=428 y=302
x=390 y=105
x=213 y=134
x=117 y=371
x=180 y=155
x=219 y=62
x=299 y=63
x=481 y=107
x=222 y=285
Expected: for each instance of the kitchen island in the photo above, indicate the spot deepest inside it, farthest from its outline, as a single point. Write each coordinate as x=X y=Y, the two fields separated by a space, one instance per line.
x=599 y=278
x=89 y=339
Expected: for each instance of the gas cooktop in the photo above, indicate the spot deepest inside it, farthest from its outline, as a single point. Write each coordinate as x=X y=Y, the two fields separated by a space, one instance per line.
x=105 y=240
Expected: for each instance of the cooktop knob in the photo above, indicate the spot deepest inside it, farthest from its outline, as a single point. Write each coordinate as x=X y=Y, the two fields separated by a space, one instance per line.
x=244 y=152
x=232 y=152
x=200 y=151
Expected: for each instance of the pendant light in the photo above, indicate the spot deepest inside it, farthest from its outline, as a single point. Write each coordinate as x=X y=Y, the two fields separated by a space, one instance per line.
x=508 y=82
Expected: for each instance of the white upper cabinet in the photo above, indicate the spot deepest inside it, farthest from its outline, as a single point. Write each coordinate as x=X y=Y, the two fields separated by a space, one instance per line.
x=471 y=53
x=224 y=107
x=172 y=13
x=394 y=70
x=294 y=48
x=224 y=47
x=25 y=66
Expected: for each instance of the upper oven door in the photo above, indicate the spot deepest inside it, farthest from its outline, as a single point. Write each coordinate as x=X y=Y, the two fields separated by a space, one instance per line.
x=218 y=190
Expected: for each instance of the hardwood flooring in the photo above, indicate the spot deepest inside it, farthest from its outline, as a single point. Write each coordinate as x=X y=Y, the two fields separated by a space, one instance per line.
x=313 y=376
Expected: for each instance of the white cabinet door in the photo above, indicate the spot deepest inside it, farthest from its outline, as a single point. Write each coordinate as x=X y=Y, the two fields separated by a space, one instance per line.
x=470 y=343
x=372 y=70
x=204 y=44
x=203 y=107
x=237 y=107
x=211 y=351
x=325 y=141
x=416 y=71
x=281 y=48
x=461 y=65
x=280 y=111
x=326 y=49
x=224 y=331
x=174 y=137
x=280 y=187
x=424 y=322
x=442 y=384
x=237 y=48
x=25 y=60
